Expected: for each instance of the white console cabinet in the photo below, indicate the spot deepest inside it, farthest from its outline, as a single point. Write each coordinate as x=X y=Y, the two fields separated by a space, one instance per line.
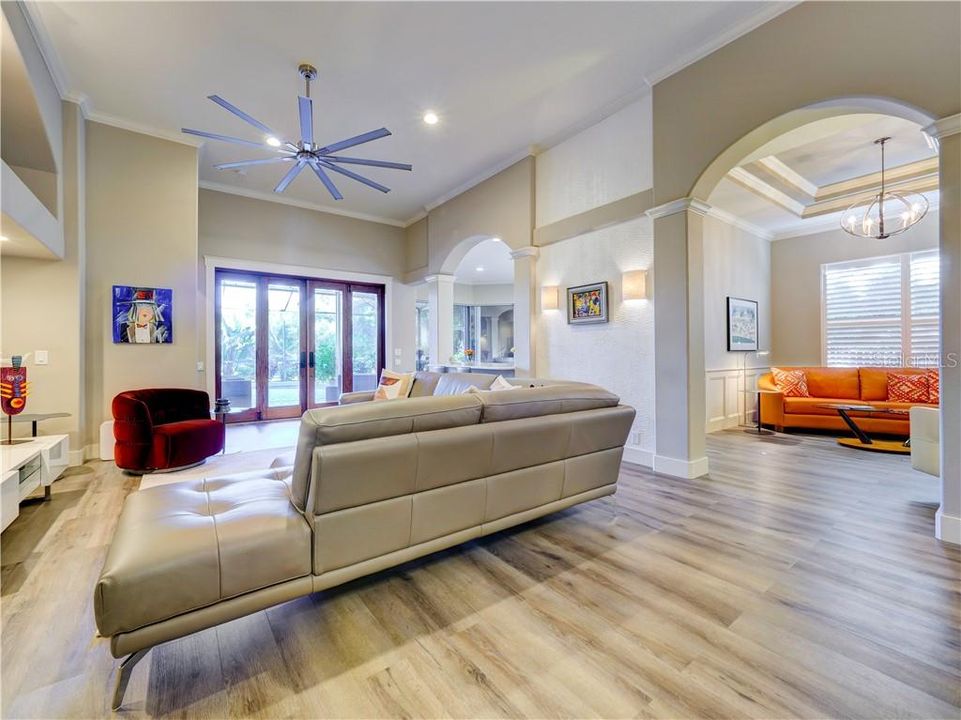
x=26 y=466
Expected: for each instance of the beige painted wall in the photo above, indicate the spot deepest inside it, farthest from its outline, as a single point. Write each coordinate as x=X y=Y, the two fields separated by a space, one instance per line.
x=416 y=253
x=141 y=229
x=501 y=206
x=796 y=282
x=736 y=264
x=811 y=53
x=239 y=227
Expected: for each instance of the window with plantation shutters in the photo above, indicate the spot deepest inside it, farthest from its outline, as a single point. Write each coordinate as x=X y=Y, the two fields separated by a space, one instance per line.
x=881 y=311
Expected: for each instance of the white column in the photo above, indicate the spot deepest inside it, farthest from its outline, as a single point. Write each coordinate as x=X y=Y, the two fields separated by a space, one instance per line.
x=679 y=396
x=441 y=303
x=525 y=259
x=947 y=524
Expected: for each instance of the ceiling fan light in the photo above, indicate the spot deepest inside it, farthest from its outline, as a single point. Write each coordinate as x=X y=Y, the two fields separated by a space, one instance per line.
x=272 y=141
x=430 y=117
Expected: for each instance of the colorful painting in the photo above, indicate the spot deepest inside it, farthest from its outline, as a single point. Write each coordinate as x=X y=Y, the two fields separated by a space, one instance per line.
x=587 y=304
x=741 y=324
x=142 y=315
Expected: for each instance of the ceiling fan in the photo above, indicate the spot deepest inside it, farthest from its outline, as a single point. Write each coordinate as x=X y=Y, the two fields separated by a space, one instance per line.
x=305 y=153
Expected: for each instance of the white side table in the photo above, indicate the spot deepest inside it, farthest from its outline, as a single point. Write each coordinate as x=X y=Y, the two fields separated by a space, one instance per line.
x=26 y=466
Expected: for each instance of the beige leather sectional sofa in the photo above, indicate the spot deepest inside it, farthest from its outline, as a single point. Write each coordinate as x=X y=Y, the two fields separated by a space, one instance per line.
x=373 y=484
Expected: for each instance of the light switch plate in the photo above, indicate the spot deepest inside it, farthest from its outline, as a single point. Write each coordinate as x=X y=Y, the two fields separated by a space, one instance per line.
x=40 y=357
x=200 y=366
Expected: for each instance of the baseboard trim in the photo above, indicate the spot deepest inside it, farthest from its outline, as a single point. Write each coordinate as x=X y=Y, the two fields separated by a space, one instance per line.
x=718 y=424
x=688 y=469
x=638 y=456
x=947 y=528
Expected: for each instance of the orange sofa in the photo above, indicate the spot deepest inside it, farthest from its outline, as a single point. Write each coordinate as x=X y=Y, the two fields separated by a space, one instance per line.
x=855 y=386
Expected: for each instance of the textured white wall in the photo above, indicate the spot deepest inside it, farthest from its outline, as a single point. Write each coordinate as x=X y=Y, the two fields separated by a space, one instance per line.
x=618 y=355
x=605 y=162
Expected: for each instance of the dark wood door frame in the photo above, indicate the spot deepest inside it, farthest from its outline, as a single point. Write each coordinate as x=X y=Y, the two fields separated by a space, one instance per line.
x=262 y=411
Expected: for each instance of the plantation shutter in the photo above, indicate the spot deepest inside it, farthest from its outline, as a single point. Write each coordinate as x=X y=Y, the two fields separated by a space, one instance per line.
x=881 y=311
x=925 y=346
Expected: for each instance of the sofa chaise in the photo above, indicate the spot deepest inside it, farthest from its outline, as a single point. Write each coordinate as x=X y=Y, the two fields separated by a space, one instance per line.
x=372 y=485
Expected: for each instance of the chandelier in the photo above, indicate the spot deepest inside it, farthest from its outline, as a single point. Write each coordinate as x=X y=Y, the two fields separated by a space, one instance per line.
x=885 y=214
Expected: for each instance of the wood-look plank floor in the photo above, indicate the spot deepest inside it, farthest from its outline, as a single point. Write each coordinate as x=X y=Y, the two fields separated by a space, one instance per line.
x=800 y=580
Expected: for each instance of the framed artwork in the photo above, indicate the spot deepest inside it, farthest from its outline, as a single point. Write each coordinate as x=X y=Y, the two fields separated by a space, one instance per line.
x=741 y=324
x=587 y=304
x=142 y=315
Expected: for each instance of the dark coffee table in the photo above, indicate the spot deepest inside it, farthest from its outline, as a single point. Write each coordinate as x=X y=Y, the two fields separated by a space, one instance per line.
x=861 y=441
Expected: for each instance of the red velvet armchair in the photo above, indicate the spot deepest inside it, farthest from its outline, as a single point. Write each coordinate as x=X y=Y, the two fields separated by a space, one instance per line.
x=164 y=429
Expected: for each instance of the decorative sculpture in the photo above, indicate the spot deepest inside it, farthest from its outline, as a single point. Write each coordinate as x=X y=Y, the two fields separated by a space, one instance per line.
x=13 y=391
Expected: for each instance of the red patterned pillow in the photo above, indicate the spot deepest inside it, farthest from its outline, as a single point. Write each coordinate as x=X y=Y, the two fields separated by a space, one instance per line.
x=793 y=383
x=934 y=386
x=908 y=388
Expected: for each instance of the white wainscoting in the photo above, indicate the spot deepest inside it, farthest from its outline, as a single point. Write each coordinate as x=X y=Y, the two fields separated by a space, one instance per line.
x=725 y=403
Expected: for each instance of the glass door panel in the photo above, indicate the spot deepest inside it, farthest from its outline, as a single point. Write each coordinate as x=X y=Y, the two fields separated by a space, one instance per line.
x=285 y=357
x=327 y=345
x=365 y=321
x=237 y=345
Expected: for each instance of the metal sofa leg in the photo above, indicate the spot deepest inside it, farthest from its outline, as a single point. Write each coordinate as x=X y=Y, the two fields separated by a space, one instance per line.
x=123 y=676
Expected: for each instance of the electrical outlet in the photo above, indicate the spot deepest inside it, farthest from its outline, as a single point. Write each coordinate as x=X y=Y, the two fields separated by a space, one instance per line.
x=40 y=357
x=200 y=366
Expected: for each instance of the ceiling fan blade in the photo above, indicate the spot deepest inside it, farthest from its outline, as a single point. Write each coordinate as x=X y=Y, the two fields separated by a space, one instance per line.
x=355 y=176
x=226 y=138
x=289 y=177
x=357 y=140
x=306 y=120
x=244 y=163
x=372 y=163
x=241 y=114
x=325 y=179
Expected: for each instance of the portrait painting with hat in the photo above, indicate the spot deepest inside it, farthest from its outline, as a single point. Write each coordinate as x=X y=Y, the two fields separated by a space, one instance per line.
x=142 y=315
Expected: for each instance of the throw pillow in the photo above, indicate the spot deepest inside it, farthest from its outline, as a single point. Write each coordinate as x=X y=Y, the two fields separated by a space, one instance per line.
x=934 y=386
x=908 y=388
x=393 y=386
x=500 y=383
x=793 y=383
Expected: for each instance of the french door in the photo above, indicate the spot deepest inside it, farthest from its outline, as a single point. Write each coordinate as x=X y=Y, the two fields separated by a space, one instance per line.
x=285 y=344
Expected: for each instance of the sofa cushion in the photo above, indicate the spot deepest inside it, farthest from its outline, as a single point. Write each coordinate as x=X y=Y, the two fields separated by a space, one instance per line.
x=186 y=442
x=812 y=406
x=825 y=382
x=908 y=387
x=934 y=386
x=424 y=383
x=874 y=381
x=791 y=383
x=393 y=385
x=457 y=383
x=363 y=421
x=545 y=400
x=191 y=544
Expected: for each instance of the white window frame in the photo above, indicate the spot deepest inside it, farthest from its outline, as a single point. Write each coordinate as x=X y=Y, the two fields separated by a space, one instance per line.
x=906 y=319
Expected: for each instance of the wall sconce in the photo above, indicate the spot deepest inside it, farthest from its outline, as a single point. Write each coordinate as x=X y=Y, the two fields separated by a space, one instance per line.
x=634 y=285
x=549 y=297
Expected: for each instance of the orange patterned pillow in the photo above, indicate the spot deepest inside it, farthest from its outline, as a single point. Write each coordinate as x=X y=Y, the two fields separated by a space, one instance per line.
x=934 y=386
x=793 y=383
x=908 y=388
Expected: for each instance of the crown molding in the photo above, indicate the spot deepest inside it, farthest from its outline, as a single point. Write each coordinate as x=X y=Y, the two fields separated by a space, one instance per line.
x=788 y=175
x=756 y=185
x=768 y=13
x=439 y=278
x=91 y=115
x=944 y=127
x=525 y=252
x=47 y=51
x=678 y=206
x=476 y=180
x=293 y=202
x=741 y=224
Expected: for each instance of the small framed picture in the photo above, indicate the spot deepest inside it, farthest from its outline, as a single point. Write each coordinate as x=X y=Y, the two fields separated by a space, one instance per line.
x=587 y=304
x=741 y=324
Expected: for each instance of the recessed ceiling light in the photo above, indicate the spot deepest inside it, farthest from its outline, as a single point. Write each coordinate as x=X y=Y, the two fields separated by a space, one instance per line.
x=479 y=269
x=272 y=141
x=430 y=117
x=3 y=238
x=496 y=240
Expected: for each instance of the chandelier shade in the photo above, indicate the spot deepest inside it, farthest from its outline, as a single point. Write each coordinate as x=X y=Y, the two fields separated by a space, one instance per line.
x=886 y=213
